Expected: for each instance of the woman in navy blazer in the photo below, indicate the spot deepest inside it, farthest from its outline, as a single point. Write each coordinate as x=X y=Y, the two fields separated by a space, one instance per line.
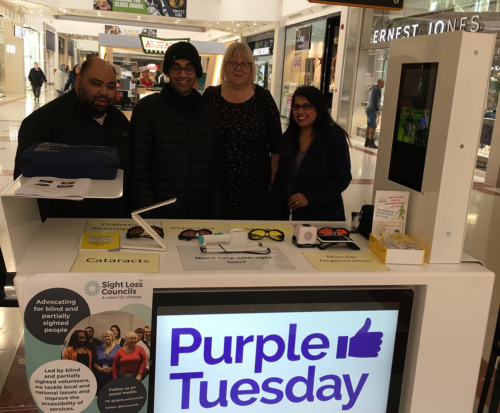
x=314 y=166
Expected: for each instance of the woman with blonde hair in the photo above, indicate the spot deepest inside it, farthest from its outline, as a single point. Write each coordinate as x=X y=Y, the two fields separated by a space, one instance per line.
x=250 y=131
x=103 y=359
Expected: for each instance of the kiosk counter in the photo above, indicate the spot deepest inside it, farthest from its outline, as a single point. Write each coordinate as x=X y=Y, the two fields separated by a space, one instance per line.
x=442 y=350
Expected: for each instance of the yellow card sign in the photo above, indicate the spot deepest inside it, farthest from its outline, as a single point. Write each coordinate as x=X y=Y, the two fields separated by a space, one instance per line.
x=285 y=228
x=116 y=262
x=175 y=227
x=110 y=225
x=348 y=261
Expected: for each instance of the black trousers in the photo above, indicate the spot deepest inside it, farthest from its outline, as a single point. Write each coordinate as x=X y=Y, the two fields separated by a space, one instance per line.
x=36 y=91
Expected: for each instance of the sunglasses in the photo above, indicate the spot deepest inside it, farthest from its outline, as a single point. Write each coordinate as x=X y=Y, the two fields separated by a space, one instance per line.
x=189 y=234
x=274 y=234
x=138 y=232
x=327 y=231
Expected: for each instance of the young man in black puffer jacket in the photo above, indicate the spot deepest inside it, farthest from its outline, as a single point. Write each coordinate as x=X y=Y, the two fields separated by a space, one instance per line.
x=175 y=145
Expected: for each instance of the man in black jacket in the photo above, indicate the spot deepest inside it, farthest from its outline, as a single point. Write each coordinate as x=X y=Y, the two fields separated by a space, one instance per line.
x=37 y=79
x=84 y=116
x=175 y=145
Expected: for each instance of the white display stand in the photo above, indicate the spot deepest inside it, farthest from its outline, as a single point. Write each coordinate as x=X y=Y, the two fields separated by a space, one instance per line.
x=23 y=217
x=448 y=326
x=437 y=215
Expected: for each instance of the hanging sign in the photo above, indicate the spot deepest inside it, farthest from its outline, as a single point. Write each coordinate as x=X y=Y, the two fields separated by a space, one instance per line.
x=261 y=52
x=371 y=4
x=155 y=45
x=129 y=30
x=170 y=8
x=303 y=38
x=19 y=32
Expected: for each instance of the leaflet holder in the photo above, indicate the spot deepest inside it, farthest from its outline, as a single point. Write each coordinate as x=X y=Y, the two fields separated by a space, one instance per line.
x=141 y=222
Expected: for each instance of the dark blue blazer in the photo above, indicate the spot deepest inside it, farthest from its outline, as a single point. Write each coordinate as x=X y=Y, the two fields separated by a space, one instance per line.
x=324 y=174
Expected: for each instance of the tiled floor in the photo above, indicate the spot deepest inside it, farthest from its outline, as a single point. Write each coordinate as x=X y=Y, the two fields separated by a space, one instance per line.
x=482 y=238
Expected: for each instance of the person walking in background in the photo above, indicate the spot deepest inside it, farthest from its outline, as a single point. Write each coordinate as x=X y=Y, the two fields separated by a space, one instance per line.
x=314 y=166
x=70 y=84
x=37 y=79
x=250 y=130
x=60 y=79
x=79 y=349
x=130 y=360
x=372 y=111
x=103 y=360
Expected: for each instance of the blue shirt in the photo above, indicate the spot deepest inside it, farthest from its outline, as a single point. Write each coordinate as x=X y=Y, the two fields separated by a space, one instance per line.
x=101 y=358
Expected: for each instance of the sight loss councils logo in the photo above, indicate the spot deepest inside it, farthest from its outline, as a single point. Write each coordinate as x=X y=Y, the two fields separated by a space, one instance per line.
x=92 y=288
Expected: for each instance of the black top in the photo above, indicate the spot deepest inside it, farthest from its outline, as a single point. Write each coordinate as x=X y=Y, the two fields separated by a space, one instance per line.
x=83 y=358
x=64 y=120
x=322 y=176
x=250 y=132
x=174 y=156
x=96 y=343
x=36 y=77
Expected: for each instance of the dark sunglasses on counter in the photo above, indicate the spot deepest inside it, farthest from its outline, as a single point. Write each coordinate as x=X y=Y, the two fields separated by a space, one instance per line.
x=138 y=232
x=189 y=234
x=274 y=234
x=327 y=231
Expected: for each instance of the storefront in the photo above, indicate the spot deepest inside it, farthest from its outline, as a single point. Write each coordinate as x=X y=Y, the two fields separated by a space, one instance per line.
x=429 y=18
x=310 y=58
x=262 y=46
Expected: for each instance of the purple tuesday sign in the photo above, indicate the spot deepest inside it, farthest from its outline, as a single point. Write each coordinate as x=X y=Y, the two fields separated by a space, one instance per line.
x=262 y=362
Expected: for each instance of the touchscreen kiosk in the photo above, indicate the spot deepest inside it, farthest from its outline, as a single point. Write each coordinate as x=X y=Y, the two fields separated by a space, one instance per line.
x=268 y=351
x=412 y=124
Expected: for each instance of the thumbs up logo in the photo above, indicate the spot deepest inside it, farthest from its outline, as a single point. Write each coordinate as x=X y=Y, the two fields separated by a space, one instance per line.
x=364 y=344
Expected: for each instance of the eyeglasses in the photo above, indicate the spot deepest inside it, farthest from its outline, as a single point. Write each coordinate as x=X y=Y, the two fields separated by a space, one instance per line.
x=244 y=65
x=189 y=234
x=274 y=234
x=178 y=69
x=327 y=231
x=306 y=106
x=137 y=232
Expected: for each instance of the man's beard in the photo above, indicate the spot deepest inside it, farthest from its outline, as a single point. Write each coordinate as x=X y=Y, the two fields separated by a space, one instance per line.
x=90 y=103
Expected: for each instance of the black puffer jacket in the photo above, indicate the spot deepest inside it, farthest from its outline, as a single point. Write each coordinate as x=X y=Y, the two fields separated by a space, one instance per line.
x=176 y=157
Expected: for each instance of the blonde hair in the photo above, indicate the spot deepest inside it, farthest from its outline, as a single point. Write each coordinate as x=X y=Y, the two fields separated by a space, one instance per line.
x=245 y=53
x=107 y=333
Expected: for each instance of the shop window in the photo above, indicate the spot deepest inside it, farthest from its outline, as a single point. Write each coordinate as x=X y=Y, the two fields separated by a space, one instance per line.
x=61 y=45
x=304 y=48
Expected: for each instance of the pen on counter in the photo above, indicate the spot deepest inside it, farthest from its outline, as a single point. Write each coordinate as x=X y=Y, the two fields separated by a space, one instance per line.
x=290 y=216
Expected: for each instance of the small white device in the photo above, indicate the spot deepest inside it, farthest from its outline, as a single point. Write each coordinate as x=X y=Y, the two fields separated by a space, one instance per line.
x=236 y=240
x=304 y=236
x=136 y=245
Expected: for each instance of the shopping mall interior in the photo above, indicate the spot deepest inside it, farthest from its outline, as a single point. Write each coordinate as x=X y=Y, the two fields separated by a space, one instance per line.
x=342 y=51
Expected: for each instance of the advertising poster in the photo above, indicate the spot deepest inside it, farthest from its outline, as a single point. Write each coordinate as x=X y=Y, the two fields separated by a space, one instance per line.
x=129 y=30
x=171 y=8
x=296 y=362
x=75 y=327
x=303 y=38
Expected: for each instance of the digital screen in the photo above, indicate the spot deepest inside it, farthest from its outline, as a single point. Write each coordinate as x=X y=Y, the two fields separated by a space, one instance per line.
x=50 y=41
x=342 y=350
x=412 y=124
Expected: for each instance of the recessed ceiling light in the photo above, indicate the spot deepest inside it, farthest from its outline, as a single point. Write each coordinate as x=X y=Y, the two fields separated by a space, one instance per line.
x=176 y=22
x=228 y=28
x=31 y=11
x=237 y=25
x=64 y=10
x=209 y=24
x=32 y=5
x=217 y=22
x=14 y=1
x=235 y=30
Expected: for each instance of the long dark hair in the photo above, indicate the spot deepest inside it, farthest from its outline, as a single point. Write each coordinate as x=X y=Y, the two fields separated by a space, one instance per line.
x=118 y=328
x=323 y=119
x=73 y=341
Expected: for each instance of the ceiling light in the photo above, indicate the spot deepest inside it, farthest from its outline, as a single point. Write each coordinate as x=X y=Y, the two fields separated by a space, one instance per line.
x=31 y=11
x=40 y=11
x=237 y=25
x=209 y=24
x=176 y=22
x=235 y=30
x=228 y=28
x=32 y=5
x=64 y=10
x=217 y=22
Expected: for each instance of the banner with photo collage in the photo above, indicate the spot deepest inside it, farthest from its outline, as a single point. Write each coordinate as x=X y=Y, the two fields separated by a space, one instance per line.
x=168 y=8
x=71 y=325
